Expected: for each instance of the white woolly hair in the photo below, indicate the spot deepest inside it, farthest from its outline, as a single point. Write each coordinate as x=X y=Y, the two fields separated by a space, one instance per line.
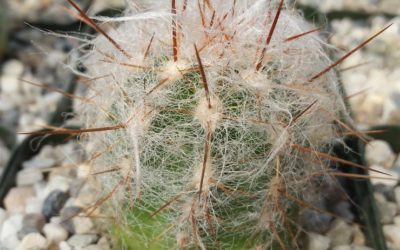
x=214 y=156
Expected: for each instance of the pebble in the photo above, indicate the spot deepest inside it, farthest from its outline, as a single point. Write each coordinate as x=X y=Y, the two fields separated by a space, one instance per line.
x=318 y=242
x=387 y=210
x=313 y=221
x=55 y=233
x=392 y=235
x=34 y=205
x=4 y=155
x=64 y=246
x=397 y=197
x=16 y=199
x=358 y=236
x=336 y=234
x=390 y=178
x=57 y=183
x=37 y=162
x=82 y=240
x=33 y=241
x=11 y=226
x=378 y=152
x=54 y=203
x=31 y=223
x=67 y=215
x=103 y=243
x=9 y=82
x=83 y=225
x=28 y=177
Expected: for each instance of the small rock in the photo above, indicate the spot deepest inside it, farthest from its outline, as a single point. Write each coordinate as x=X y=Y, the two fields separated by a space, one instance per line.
x=317 y=242
x=31 y=223
x=38 y=163
x=343 y=210
x=387 y=191
x=3 y=217
x=55 y=233
x=33 y=241
x=342 y=247
x=104 y=244
x=387 y=210
x=4 y=154
x=397 y=220
x=64 y=246
x=87 y=195
x=34 y=205
x=397 y=197
x=392 y=235
x=28 y=177
x=57 y=183
x=82 y=240
x=9 y=82
x=358 y=236
x=314 y=221
x=16 y=199
x=54 y=203
x=391 y=178
x=336 y=234
x=378 y=152
x=83 y=225
x=67 y=215
x=355 y=247
x=11 y=226
x=93 y=247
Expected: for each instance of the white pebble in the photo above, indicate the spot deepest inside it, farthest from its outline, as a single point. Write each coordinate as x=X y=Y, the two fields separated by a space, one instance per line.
x=16 y=199
x=55 y=233
x=28 y=177
x=33 y=241
x=390 y=178
x=83 y=225
x=392 y=235
x=318 y=242
x=64 y=246
x=336 y=234
x=11 y=226
x=378 y=152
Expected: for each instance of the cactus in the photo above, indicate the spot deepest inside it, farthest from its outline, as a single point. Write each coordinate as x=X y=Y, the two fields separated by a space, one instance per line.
x=209 y=115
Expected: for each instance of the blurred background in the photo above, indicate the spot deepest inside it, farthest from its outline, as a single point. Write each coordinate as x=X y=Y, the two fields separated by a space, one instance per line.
x=35 y=46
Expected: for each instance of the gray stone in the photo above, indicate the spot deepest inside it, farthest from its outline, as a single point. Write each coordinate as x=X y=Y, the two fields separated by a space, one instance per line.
x=397 y=197
x=313 y=221
x=67 y=215
x=33 y=241
x=317 y=242
x=31 y=223
x=54 y=203
x=82 y=240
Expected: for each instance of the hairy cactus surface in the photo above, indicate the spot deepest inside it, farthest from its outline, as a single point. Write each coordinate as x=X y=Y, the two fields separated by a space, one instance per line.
x=209 y=116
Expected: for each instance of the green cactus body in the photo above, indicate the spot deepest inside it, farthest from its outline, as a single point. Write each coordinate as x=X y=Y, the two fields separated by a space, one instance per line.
x=213 y=102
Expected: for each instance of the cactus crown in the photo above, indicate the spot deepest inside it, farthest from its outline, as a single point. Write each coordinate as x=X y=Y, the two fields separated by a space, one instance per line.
x=210 y=102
